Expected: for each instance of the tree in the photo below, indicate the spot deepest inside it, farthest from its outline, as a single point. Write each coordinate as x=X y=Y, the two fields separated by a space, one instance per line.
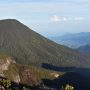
x=67 y=87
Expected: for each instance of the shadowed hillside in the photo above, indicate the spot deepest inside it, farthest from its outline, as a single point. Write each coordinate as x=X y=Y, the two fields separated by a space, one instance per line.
x=78 y=81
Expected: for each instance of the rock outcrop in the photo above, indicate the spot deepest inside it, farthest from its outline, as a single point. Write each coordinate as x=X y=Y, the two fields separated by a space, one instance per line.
x=8 y=69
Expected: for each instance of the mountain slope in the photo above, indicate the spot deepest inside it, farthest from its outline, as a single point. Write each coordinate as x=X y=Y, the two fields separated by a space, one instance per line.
x=73 y=40
x=84 y=49
x=28 y=47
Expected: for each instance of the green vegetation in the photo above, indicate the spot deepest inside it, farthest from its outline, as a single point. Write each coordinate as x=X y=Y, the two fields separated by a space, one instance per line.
x=11 y=72
x=67 y=87
x=24 y=88
x=43 y=73
x=34 y=75
x=3 y=57
x=6 y=83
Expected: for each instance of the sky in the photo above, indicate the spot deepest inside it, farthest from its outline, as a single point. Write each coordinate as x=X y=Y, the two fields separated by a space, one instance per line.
x=49 y=17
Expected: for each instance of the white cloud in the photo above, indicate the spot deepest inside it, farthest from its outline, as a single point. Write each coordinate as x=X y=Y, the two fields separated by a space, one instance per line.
x=56 y=18
x=65 y=19
x=79 y=18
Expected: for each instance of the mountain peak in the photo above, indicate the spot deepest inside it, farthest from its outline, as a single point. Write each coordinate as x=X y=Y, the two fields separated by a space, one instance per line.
x=9 y=20
x=29 y=47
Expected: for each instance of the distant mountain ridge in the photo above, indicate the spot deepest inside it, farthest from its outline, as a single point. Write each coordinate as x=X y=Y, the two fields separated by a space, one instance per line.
x=73 y=40
x=29 y=47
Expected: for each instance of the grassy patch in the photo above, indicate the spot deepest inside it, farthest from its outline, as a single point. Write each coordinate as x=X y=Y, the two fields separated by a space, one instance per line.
x=11 y=72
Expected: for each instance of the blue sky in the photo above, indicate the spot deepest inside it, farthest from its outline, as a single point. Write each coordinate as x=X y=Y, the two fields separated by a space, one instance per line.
x=49 y=17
